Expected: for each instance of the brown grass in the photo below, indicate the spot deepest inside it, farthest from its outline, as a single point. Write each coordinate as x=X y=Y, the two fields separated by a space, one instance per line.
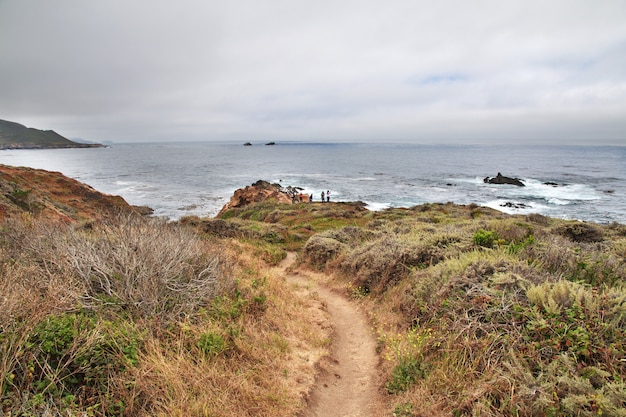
x=140 y=317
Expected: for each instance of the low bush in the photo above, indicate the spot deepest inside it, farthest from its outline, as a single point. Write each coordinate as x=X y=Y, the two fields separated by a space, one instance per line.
x=485 y=238
x=320 y=250
x=581 y=232
x=148 y=267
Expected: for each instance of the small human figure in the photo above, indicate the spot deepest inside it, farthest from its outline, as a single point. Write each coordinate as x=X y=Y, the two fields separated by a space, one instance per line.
x=328 y=196
x=323 y=195
x=311 y=198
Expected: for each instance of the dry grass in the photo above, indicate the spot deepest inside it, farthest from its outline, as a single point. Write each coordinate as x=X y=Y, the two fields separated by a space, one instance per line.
x=140 y=317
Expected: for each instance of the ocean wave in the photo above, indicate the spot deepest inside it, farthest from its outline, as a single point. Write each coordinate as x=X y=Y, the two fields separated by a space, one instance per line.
x=557 y=193
x=374 y=206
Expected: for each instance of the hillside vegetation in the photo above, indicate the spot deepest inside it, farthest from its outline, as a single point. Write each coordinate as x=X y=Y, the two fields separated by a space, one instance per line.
x=104 y=312
x=16 y=136
x=475 y=312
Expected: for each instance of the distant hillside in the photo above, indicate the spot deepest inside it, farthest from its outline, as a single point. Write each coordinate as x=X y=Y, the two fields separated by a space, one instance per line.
x=16 y=136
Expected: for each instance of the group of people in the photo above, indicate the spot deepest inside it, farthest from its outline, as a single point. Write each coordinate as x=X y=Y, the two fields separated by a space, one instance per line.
x=303 y=197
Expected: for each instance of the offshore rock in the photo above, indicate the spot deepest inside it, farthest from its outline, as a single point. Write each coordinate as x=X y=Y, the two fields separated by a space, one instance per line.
x=256 y=193
x=501 y=179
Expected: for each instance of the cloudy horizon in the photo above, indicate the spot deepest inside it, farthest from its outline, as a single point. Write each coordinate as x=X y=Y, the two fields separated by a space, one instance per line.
x=406 y=71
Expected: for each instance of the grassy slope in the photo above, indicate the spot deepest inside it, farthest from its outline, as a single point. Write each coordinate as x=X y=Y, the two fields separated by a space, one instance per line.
x=110 y=313
x=137 y=317
x=477 y=312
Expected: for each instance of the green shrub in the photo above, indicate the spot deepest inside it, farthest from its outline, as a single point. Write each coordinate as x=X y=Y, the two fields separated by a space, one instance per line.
x=406 y=372
x=485 y=238
x=72 y=357
x=212 y=343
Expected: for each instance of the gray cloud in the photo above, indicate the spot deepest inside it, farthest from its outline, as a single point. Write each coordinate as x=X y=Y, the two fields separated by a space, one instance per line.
x=325 y=70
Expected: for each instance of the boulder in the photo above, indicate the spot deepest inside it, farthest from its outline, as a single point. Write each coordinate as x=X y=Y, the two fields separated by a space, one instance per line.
x=256 y=193
x=501 y=179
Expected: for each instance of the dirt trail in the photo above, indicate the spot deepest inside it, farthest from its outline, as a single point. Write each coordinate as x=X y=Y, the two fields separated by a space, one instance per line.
x=347 y=385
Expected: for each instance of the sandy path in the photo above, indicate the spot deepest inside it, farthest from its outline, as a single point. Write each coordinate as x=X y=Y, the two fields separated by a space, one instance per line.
x=347 y=385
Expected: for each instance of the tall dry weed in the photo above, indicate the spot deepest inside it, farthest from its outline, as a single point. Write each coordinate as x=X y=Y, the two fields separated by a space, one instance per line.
x=148 y=266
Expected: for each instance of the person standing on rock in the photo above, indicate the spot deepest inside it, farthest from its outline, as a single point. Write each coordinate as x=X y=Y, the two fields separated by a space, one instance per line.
x=323 y=196
x=328 y=196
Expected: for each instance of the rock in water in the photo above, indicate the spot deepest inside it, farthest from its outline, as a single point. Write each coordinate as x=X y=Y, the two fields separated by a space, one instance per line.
x=501 y=179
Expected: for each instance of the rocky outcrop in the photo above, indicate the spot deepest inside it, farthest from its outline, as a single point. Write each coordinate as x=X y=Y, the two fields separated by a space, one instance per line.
x=501 y=179
x=53 y=196
x=256 y=193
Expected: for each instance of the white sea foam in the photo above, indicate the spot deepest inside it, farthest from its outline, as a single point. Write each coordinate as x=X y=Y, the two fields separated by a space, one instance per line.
x=567 y=192
x=376 y=206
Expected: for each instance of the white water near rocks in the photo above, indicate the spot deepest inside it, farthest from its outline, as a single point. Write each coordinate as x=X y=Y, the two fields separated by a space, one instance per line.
x=177 y=179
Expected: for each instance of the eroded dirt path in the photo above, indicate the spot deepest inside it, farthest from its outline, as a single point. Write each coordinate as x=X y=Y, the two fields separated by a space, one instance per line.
x=347 y=385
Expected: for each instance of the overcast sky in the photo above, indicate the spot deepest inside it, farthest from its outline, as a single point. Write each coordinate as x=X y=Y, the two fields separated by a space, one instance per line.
x=519 y=71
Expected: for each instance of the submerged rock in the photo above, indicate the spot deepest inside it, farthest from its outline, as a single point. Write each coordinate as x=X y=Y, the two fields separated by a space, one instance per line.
x=510 y=204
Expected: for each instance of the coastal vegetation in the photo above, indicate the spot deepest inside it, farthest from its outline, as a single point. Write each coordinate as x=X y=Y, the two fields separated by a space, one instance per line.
x=474 y=312
x=135 y=316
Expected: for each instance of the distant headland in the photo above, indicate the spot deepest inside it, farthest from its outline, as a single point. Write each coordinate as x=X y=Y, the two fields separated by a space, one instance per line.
x=16 y=136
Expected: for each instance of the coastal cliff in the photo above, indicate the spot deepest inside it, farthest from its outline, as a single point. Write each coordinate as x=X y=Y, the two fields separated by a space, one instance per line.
x=53 y=196
x=16 y=136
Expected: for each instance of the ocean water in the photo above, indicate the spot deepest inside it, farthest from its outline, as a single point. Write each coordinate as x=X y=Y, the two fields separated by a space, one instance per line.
x=178 y=179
